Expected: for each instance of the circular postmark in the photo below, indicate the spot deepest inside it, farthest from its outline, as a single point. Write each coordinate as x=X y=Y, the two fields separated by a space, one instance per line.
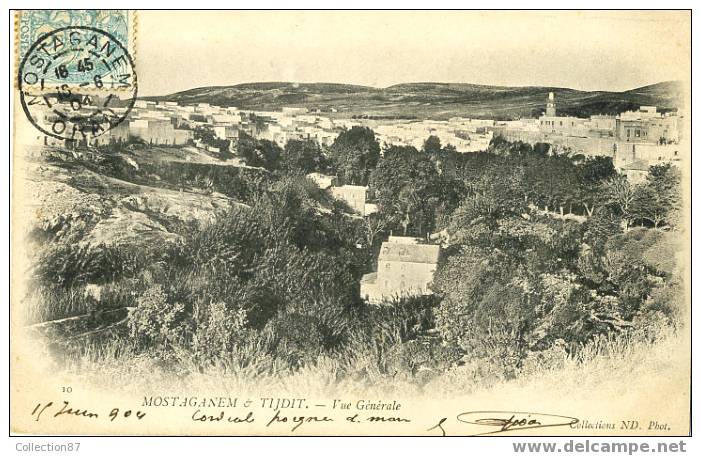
x=77 y=83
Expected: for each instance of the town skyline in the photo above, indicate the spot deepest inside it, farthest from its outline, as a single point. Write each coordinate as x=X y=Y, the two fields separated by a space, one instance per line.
x=428 y=100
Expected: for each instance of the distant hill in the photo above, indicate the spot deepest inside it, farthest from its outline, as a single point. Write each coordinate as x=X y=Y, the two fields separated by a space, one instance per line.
x=670 y=92
x=430 y=100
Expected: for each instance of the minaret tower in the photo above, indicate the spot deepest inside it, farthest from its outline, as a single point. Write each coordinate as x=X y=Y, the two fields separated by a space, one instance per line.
x=550 y=106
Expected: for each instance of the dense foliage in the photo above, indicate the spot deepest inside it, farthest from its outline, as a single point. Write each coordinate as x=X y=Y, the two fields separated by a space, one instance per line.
x=541 y=249
x=355 y=154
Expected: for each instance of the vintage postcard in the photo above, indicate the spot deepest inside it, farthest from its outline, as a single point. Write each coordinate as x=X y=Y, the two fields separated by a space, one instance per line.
x=353 y=223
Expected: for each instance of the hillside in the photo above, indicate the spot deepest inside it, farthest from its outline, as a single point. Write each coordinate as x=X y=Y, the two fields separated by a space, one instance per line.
x=108 y=207
x=430 y=100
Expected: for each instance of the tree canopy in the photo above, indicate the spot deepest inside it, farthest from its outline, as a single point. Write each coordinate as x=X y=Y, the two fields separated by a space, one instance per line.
x=355 y=153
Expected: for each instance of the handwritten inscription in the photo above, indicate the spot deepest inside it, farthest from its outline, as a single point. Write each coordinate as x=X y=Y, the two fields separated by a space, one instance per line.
x=66 y=409
x=297 y=420
x=290 y=422
x=478 y=422
x=221 y=416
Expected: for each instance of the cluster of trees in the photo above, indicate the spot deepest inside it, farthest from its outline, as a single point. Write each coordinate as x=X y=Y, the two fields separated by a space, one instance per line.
x=655 y=202
x=354 y=154
x=517 y=271
x=517 y=280
x=279 y=273
x=298 y=157
x=418 y=190
x=411 y=191
x=516 y=277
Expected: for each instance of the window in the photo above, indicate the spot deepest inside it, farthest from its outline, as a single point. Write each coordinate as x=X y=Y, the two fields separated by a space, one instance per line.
x=387 y=266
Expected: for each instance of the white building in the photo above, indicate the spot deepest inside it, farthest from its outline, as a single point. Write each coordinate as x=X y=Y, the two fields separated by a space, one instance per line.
x=353 y=195
x=404 y=268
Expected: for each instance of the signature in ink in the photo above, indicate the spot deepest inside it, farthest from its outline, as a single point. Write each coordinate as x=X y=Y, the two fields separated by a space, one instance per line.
x=504 y=421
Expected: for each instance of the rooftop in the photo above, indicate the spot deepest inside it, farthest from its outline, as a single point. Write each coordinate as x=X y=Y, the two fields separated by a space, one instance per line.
x=369 y=278
x=410 y=253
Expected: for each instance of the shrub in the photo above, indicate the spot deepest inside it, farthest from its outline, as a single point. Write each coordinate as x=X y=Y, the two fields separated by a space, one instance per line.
x=418 y=360
x=74 y=264
x=298 y=338
x=217 y=329
x=155 y=321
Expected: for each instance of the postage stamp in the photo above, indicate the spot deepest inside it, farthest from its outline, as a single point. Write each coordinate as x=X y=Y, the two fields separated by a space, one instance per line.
x=79 y=81
x=33 y=24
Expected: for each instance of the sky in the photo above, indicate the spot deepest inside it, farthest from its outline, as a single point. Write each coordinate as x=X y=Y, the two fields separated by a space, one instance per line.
x=598 y=50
